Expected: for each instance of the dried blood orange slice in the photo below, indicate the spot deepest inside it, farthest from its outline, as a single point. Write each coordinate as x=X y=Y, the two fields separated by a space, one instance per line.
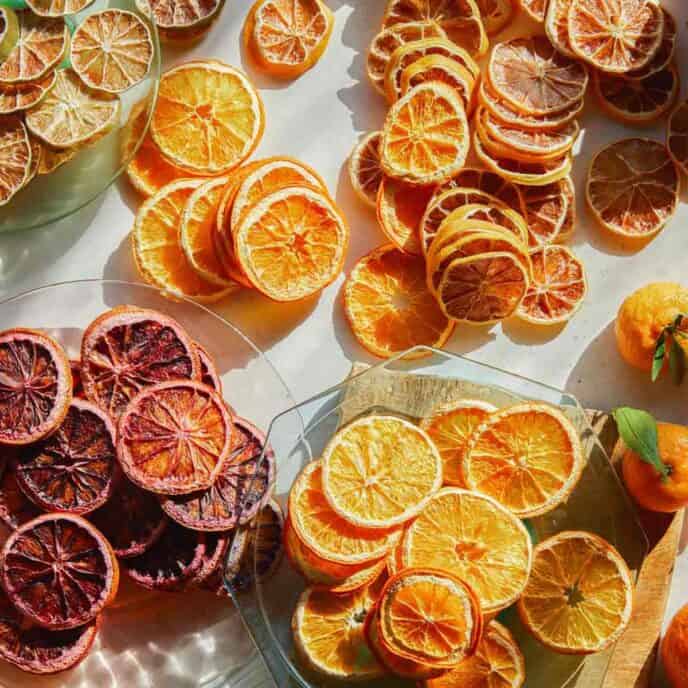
x=59 y=571
x=131 y=520
x=35 y=386
x=535 y=9
x=364 y=168
x=75 y=469
x=22 y=96
x=37 y=650
x=546 y=210
x=677 y=136
x=214 y=552
x=127 y=348
x=15 y=157
x=15 y=508
x=57 y=8
x=240 y=490
x=209 y=374
x=77 y=385
x=175 y=437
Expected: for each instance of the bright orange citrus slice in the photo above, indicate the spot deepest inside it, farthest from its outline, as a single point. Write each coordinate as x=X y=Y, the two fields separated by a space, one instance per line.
x=440 y=68
x=365 y=171
x=496 y=14
x=535 y=9
x=579 y=597
x=22 y=96
x=546 y=210
x=15 y=157
x=677 y=136
x=380 y=471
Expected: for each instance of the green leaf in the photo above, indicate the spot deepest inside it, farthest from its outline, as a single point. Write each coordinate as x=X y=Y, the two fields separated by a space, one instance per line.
x=638 y=429
x=677 y=362
x=660 y=352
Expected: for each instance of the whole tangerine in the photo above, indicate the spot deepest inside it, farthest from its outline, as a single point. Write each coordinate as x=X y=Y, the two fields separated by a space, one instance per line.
x=675 y=650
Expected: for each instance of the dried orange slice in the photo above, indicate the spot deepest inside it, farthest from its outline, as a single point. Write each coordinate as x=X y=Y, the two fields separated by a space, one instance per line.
x=477 y=540
x=450 y=429
x=287 y=37
x=380 y=471
x=57 y=8
x=181 y=20
x=579 y=597
x=557 y=288
x=532 y=76
x=440 y=68
x=557 y=26
x=535 y=9
x=568 y=228
x=425 y=137
x=364 y=168
x=157 y=250
x=615 y=36
x=22 y=96
x=632 y=187
x=677 y=136
x=637 y=101
x=496 y=14
x=388 y=304
x=546 y=210
x=208 y=118
x=528 y=457
x=112 y=50
x=15 y=157
x=40 y=47
x=292 y=244
x=489 y=182
x=665 y=54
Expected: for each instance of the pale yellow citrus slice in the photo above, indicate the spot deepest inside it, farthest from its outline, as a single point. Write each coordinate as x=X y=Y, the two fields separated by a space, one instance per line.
x=380 y=471
x=677 y=136
x=496 y=14
x=22 y=96
x=57 y=8
x=365 y=171
x=557 y=26
x=535 y=9
x=15 y=157
x=546 y=210
x=440 y=68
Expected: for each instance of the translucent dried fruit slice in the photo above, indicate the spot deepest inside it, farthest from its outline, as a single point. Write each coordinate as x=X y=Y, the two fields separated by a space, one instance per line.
x=535 y=9
x=127 y=349
x=528 y=457
x=666 y=51
x=632 y=187
x=364 y=168
x=41 y=46
x=241 y=489
x=35 y=386
x=208 y=118
x=15 y=157
x=112 y=50
x=23 y=95
x=579 y=597
x=439 y=68
x=175 y=437
x=557 y=26
x=179 y=19
x=57 y=8
x=496 y=14
x=677 y=136
x=71 y=114
x=59 y=571
x=209 y=372
x=75 y=469
x=557 y=289
x=546 y=210
x=15 y=507
x=379 y=472
x=615 y=36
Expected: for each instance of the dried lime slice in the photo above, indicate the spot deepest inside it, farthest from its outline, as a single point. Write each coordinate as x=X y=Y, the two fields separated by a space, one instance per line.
x=9 y=31
x=15 y=156
x=22 y=96
x=57 y=8
x=71 y=113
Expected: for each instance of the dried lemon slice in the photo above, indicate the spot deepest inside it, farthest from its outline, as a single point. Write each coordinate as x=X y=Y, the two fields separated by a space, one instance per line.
x=15 y=157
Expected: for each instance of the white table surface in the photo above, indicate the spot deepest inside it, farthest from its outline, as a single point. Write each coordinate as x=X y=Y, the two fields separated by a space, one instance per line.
x=317 y=118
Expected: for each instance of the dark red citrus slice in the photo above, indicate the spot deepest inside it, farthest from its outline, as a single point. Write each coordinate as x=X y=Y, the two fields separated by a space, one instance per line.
x=238 y=493
x=128 y=349
x=35 y=386
x=15 y=507
x=77 y=385
x=131 y=520
x=75 y=469
x=38 y=650
x=59 y=571
x=171 y=562
x=175 y=437
x=216 y=545
x=209 y=374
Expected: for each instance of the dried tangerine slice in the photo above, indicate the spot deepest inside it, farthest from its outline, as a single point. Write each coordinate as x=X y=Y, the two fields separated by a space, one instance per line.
x=632 y=187
x=546 y=210
x=535 y=9
x=181 y=19
x=677 y=136
x=15 y=157
x=528 y=457
x=208 y=118
x=496 y=14
x=388 y=304
x=666 y=52
x=379 y=472
x=425 y=137
x=557 y=289
x=615 y=35
x=23 y=95
x=557 y=26
x=439 y=68
x=579 y=597
x=365 y=171
x=174 y=437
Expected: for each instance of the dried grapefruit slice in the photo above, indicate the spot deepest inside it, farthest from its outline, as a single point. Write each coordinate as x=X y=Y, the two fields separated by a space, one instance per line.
x=528 y=457
x=208 y=118
x=535 y=9
x=439 y=68
x=557 y=26
x=23 y=95
x=379 y=472
x=579 y=597
x=182 y=19
x=632 y=187
x=15 y=157
x=112 y=50
x=546 y=210
x=15 y=508
x=389 y=306
x=59 y=571
x=677 y=136
x=35 y=386
x=557 y=288
x=364 y=168
x=75 y=469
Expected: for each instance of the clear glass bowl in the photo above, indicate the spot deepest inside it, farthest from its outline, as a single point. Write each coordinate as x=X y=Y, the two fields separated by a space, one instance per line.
x=51 y=197
x=413 y=389
x=156 y=639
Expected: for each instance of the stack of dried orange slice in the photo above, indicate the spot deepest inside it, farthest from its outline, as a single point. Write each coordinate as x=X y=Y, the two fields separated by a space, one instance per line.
x=410 y=539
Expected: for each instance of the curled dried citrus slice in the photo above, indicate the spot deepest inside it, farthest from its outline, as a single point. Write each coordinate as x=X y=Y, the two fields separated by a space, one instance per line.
x=112 y=50
x=209 y=373
x=546 y=210
x=489 y=182
x=214 y=553
x=364 y=168
x=677 y=136
x=535 y=9
x=615 y=36
x=666 y=51
x=632 y=187
x=57 y=8
x=379 y=472
x=208 y=118
x=23 y=95
x=59 y=571
x=35 y=386
x=439 y=68
x=579 y=597
x=389 y=306
x=181 y=19
x=175 y=437
x=557 y=26
x=425 y=137
x=528 y=457
x=15 y=157
x=496 y=14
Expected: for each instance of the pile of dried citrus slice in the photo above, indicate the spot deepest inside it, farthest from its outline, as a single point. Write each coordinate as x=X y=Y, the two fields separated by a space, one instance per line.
x=410 y=539
x=126 y=459
x=49 y=112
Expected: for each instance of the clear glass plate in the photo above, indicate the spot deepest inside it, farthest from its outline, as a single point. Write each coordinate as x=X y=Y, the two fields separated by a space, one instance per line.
x=51 y=197
x=195 y=640
x=413 y=389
